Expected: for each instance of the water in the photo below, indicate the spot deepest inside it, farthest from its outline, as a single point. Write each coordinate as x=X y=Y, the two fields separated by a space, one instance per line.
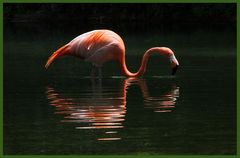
x=64 y=111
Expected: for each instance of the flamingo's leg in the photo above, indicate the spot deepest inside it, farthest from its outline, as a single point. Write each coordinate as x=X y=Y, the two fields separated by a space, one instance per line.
x=96 y=69
x=100 y=72
x=93 y=71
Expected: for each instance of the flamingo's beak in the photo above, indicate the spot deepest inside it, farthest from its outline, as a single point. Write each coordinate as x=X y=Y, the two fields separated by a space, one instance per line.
x=174 y=63
x=174 y=69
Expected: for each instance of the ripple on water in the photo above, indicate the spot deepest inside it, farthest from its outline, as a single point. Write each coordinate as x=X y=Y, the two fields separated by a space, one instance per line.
x=104 y=108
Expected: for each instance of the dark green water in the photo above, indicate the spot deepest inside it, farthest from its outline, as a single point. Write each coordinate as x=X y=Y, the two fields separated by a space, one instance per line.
x=63 y=111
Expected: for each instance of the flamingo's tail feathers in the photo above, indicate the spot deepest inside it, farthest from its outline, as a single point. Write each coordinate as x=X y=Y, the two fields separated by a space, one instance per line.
x=50 y=59
x=60 y=52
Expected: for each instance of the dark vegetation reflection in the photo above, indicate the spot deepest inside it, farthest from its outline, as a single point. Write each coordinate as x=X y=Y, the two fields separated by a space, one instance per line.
x=102 y=107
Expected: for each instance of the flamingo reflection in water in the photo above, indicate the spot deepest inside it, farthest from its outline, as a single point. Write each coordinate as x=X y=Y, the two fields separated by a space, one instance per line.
x=105 y=107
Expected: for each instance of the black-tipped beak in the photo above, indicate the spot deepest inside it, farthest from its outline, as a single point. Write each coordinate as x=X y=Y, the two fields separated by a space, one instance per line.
x=174 y=70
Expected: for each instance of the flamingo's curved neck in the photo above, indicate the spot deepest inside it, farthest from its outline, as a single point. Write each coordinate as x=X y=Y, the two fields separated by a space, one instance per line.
x=161 y=50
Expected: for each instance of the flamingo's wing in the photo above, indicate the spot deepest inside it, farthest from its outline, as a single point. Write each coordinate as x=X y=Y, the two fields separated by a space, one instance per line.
x=103 y=54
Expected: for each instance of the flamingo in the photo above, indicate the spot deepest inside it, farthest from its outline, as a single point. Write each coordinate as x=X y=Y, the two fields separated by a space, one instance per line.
x=100 y=46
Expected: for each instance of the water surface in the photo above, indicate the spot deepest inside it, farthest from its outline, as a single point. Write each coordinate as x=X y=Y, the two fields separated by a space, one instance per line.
x=64 y=111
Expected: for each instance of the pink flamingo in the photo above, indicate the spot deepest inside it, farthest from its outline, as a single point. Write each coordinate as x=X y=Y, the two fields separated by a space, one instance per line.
x=100 y=46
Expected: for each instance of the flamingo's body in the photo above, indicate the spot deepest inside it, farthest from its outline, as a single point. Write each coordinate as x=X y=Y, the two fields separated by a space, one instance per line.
x=100 y=46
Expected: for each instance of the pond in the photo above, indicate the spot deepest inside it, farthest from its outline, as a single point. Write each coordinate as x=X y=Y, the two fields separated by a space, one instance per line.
x=64 y=111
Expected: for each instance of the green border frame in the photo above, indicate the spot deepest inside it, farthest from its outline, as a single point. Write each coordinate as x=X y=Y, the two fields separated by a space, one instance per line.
x=118 y=1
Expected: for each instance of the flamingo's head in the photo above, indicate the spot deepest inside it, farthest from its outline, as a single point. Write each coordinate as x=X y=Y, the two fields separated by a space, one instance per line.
x=174 y=63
